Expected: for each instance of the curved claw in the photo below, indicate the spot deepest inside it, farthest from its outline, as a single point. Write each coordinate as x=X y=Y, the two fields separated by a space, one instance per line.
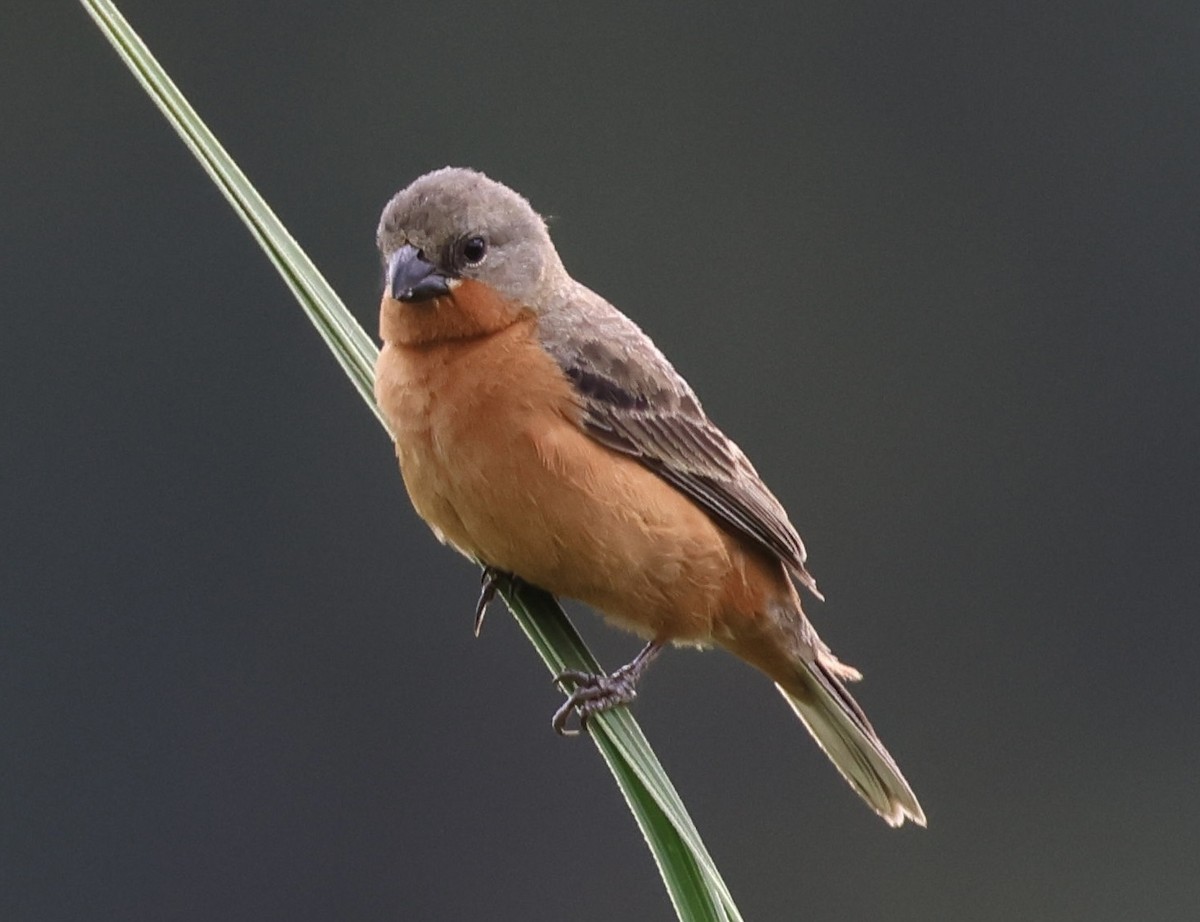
x=490 y=578
x=598 y=692
x=573 y=675
x=560 y=718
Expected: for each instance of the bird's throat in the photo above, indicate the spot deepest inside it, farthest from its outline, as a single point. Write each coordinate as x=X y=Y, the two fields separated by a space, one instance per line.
x=471 y=310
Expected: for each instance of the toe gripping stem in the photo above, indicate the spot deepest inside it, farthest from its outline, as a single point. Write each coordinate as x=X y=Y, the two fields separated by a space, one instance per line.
x=490 y=579
x=597 y=692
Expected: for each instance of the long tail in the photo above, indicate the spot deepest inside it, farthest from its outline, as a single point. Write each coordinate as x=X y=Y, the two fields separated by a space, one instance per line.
x=842 y=730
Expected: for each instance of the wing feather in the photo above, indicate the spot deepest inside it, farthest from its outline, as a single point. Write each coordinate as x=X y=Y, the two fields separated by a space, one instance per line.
x=634 y=402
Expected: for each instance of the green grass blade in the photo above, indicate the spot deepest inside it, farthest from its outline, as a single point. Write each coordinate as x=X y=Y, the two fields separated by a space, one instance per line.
x=643 y=781
x=691 y=877
x=686 y=881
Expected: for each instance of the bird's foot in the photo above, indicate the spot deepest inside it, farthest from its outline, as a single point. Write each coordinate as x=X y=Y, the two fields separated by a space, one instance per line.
x=597 y=692
x=491 y=580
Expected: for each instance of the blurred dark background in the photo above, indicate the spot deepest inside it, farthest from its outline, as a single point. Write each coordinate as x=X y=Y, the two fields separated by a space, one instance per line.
x=934 y=266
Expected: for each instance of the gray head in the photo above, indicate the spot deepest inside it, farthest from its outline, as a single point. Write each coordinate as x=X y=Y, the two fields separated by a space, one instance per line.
x=455 y=223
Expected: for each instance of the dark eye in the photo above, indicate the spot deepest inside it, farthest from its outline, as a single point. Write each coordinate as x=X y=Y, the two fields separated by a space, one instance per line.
x=474 y=249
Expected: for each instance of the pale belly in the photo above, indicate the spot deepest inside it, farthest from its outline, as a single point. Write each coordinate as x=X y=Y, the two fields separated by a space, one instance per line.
x=495 y=462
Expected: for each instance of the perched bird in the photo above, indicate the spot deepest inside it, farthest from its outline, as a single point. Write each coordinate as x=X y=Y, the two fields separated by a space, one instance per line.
x=541 y=433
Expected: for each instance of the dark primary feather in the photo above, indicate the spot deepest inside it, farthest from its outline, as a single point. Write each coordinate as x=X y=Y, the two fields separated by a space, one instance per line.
x=633 y=401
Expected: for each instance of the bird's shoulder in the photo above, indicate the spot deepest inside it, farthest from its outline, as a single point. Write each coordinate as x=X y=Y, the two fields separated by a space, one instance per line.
x=634 y=401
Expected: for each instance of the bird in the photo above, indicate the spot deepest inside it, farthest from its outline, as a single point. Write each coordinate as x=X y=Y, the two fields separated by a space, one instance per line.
x=543 y=435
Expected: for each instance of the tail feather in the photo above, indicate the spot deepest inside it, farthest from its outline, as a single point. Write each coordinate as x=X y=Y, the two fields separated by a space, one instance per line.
x=843 y=732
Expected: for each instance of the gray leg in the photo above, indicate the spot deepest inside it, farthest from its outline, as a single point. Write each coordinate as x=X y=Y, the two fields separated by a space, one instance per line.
x=593 y=693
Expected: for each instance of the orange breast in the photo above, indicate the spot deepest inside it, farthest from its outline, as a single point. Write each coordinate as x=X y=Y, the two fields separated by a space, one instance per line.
x=495 y=461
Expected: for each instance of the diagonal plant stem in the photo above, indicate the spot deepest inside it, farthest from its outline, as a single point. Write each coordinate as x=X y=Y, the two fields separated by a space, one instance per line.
x=693 y=882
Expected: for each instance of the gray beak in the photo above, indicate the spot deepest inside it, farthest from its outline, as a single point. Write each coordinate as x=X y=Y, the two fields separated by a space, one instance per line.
x=411 y=278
